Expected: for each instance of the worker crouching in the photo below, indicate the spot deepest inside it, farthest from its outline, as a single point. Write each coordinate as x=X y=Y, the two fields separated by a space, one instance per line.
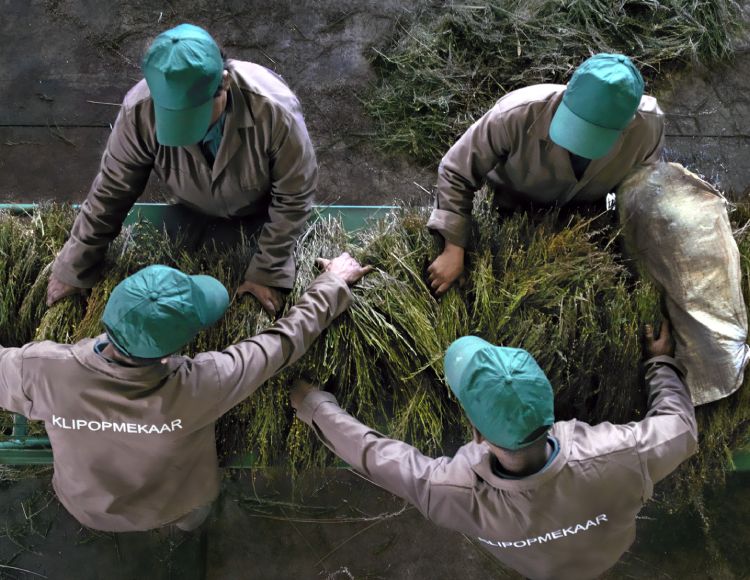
x=130 y=422
x=549 y=499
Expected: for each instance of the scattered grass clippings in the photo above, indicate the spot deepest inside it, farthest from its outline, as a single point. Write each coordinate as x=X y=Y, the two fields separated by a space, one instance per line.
x=449 y=66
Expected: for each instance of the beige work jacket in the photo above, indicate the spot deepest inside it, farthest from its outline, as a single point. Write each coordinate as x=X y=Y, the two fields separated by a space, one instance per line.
x=509 y=149
x=265 y=164
x=573 y=520
x=134 y=447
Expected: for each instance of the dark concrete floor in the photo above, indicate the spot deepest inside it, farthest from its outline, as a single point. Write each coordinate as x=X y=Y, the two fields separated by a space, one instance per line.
x=66 y=64
x=333 y=525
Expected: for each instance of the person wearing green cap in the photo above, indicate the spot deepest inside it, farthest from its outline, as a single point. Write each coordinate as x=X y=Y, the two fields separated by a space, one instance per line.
x=227 y=140
x=546 y=145
x=130 y=420
x=552 y=500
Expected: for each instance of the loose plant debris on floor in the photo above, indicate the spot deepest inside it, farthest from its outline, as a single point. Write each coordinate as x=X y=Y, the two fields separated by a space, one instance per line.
x=552 y=283
x=449 y=66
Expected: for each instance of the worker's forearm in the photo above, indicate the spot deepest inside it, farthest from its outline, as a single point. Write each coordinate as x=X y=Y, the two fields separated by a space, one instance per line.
x=393 y=465
x=245 y=366
x=273 y=263
x=668 y=435
x=668 y=394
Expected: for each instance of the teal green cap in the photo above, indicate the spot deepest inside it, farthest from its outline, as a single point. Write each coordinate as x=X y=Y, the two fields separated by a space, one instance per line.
x=502 y=390
x=183 y=68
x=599 y=102
x=158 y=310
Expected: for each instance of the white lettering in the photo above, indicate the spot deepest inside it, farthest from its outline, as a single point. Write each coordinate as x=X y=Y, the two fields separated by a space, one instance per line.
x=139 y=428
x=549 y=536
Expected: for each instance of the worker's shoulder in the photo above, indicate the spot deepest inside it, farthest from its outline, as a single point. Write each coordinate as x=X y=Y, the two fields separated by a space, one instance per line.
x=594 y=442
x=263 y=86
x=138 y=95
x=457 y=471
x=527 y=99
x=47 y=349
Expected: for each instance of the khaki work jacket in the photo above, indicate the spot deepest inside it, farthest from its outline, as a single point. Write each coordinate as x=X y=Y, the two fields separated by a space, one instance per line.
x=265 y=166
x=134 y=447
x=572 y=520
x=509 y=149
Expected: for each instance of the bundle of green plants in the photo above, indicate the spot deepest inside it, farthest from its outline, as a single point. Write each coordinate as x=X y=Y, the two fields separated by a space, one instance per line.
x=448 y=67
x=552 y=283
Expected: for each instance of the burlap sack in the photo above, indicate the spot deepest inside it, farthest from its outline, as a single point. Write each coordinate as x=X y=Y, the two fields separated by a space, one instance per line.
x=677 y=229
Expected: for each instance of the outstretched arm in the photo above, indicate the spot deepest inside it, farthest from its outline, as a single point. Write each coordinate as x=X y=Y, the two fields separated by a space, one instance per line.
x=245 y=366
x=393 y=465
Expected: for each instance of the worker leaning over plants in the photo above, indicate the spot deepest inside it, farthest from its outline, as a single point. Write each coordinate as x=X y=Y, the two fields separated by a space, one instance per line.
x=546 y=145
x=228 y=141
x=554 y=500
x=131 y=423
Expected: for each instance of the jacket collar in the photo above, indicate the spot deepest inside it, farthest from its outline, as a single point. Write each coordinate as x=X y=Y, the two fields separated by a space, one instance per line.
x=140 y=376
x=539 y=128
x=562 y=431
x=239 y=116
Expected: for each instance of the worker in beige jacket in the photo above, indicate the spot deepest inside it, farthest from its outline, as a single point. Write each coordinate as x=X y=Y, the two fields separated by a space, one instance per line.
x=550 y=500
x=131 y=423
x=546 y=145
x=227 y=140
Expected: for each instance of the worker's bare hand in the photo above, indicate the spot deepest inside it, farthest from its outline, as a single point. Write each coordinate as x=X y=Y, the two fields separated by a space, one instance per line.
x=270 y=298
x=57 y=289
x=345 y=267
x=658 y=345
x=300 y=390
x=446 y=268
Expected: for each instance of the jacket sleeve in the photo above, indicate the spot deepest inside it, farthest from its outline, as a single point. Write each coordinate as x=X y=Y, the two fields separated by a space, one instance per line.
x=123 y=173
x=669 y=434
x=12 y=397
x=245 y=366
x=294 y=176
x=393 y=465
x=462 y=172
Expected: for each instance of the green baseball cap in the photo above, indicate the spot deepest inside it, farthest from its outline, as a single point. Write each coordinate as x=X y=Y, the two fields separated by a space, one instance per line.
x=183 y=68
x=503 y=391
x=158 y=310
x=599 y=102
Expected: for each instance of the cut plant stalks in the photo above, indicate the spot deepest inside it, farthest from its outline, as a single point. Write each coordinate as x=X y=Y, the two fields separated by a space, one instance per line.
x=551 y=283
x=449 y=65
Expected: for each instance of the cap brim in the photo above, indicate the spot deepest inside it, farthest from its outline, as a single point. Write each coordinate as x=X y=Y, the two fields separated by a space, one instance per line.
x=215 y=298
x=580 y=137
x=184 y=127
x=458 y=354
